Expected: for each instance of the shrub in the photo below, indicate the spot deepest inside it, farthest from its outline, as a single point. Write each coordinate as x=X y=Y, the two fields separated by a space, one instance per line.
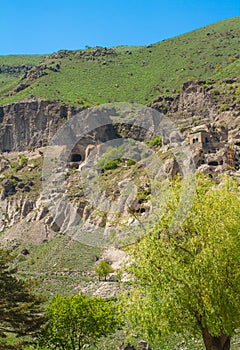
x=111 y=164
x=22 y=159
x=223 y=108
x=74 y=321
x=103 y=269
x=155 y=141
x=130 y=162
x=111 y=159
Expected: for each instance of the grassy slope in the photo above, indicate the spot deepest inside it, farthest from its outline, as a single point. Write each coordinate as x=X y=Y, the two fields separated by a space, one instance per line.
x=9 y=81
x=59 y=265
x=142 y=75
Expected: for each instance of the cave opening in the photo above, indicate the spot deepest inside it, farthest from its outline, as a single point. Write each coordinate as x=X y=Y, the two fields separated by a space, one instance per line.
x=213 y=163
x=76 y=157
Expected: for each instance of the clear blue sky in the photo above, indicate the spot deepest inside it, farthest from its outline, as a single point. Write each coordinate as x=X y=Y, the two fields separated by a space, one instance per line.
x=45 y=26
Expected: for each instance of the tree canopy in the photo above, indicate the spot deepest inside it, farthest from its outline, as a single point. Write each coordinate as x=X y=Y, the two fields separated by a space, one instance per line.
x=20 y=309
x=188 y=280
x=103 y=269
x=73 y=321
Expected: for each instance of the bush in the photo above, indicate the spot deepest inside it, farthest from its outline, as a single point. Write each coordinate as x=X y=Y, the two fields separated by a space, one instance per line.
x=130 y=162
x=112 y=164
x=22 y=159
x=103 y=269
x=155 y=141
x=111 y=158
x=223 y=108
x=74 y=321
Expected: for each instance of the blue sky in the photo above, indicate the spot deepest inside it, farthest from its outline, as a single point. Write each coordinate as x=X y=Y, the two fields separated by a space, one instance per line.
x=45 y=26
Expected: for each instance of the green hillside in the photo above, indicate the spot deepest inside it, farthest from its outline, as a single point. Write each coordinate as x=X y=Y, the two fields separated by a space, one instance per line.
x=139 y=74
x=13 y=67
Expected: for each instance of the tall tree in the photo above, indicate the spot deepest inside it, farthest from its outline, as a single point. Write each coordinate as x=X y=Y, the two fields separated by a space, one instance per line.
x=189 y=280
x=20 y=309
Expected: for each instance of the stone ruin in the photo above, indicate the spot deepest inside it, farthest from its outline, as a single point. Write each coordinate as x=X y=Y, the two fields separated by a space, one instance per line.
x=212 y=149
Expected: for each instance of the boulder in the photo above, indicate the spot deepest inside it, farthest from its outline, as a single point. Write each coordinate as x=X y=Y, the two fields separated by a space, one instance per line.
x=143 y=345
x=8 y=188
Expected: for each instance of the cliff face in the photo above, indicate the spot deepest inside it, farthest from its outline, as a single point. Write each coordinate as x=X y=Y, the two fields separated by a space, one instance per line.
x=29 y=125
x=204 y=102
x=209 y=121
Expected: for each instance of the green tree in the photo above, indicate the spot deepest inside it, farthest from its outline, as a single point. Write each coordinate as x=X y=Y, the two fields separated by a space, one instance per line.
x=20 y=309
x=103 y=269
x=188 y=281
x=73 y=321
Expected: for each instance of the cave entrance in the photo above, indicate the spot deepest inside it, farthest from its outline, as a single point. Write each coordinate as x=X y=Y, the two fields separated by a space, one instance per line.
x=76 y=157
x=213 y=163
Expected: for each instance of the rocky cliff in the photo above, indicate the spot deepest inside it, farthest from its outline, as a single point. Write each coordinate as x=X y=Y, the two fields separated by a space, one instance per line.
x=30 y=124
x=208 y=116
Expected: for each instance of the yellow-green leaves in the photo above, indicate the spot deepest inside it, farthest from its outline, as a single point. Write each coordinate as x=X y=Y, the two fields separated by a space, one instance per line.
x=77 y=320
x=190 y=279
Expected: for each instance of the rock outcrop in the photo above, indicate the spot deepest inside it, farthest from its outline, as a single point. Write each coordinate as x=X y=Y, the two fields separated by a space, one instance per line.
x=212 y=135
x=30 y=124
x=202 y=102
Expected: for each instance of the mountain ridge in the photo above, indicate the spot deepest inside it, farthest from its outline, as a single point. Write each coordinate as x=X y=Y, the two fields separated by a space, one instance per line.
x=124 y=73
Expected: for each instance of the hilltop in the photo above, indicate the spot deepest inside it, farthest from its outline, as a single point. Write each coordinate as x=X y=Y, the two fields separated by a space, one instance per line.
x=131 y=74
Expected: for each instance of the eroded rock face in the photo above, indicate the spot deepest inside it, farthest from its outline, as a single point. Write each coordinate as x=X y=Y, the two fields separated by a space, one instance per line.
x=172 y=168
x=193 y=100
x=30 y=124
x=198 y=103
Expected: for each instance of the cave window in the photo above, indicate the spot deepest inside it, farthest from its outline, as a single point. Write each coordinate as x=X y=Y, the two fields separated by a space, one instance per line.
x=213 y=163
x=206 y=140
x=195 y=140
x=76 y=157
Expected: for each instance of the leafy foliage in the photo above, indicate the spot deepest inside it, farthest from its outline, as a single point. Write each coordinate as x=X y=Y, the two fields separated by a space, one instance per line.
x=20 y=309
x=103 y=269
x=189 y=280
x=111 y=158
x=155 y=141
x=111 y=164
x=77 y=320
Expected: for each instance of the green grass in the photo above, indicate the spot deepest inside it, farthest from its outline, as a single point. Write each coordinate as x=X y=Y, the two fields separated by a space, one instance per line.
x=232 y=70
x=61 y=254
x=58 y=266
x=9 y=81
x=16 y=60
x=143 y=74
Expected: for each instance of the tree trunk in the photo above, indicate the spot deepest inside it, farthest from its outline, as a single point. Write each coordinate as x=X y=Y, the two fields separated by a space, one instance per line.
x=222 y=342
